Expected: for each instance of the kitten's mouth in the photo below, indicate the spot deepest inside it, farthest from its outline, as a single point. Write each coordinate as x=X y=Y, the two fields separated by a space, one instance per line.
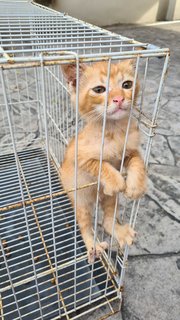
x=117 y=110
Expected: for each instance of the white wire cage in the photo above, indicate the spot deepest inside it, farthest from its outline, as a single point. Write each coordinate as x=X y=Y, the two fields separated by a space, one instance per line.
x=44 y=270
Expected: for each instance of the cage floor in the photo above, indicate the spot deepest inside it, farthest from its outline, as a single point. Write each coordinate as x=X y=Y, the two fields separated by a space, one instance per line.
x=42 y=273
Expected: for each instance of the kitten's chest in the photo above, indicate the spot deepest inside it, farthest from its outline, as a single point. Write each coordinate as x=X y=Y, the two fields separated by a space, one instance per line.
x=114 y=144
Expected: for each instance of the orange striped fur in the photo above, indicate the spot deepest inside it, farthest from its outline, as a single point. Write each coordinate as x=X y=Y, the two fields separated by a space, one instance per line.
x=91 y=108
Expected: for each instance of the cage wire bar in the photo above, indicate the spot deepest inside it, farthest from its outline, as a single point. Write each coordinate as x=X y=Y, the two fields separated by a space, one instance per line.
x=44 y=273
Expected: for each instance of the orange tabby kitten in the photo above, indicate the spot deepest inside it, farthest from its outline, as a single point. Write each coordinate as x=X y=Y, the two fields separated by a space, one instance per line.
x=92 y=93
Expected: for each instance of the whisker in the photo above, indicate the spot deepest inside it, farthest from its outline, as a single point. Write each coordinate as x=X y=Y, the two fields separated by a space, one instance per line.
x=92 y=115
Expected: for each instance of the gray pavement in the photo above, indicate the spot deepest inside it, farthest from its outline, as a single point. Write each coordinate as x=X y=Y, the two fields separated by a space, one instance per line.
x=152 y=282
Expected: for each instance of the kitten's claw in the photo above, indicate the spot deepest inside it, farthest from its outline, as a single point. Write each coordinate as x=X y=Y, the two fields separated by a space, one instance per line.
x=96 y=252
x=136 y=186
x=125 y=235
x=134 y=191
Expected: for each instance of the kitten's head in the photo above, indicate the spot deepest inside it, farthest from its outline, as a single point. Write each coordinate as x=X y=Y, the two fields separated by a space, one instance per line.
x=92 y=89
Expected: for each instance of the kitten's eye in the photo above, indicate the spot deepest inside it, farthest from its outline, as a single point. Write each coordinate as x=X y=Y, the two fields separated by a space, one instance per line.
x=127 y=84
x=99 y=89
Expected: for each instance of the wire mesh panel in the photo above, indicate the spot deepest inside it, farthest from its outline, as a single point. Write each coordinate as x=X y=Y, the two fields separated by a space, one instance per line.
x=45 y=269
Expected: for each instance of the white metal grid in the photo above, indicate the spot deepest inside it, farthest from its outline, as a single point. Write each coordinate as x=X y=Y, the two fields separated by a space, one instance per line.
x=44 y=271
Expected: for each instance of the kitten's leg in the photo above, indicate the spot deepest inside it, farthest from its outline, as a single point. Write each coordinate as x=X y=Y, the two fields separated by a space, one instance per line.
x=111 y=179
x=124 y=234
x=136 y=175
x=84 y=219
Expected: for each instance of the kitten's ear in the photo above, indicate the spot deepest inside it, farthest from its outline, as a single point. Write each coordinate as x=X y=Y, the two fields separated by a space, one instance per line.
x=69 y=72
x=130 y=62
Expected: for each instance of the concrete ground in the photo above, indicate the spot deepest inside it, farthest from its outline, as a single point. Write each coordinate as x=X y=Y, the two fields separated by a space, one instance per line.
x=152 y=283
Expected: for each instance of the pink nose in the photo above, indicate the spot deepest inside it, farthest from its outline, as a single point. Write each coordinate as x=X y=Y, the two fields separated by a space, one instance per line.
x=118 y=100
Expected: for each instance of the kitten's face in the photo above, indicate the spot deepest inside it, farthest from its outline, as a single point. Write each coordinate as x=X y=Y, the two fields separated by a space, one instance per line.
x=92 y=89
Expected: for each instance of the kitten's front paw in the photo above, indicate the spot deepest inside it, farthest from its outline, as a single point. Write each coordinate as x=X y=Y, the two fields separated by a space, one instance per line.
x=114 y=184
x=125 y=235
x=135 y=188
x=96 y=252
